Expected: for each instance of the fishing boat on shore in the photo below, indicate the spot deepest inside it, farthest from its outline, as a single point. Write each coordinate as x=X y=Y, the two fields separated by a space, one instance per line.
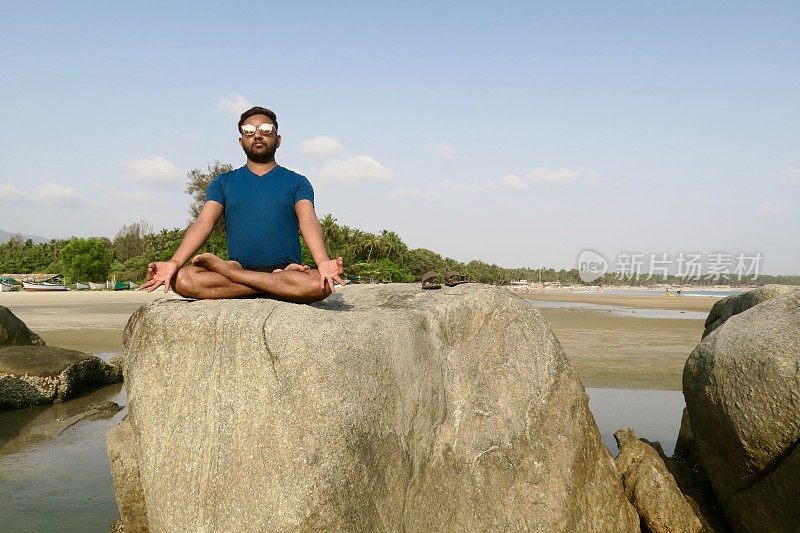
x=5 y=287
x=41 y=287
x=96 y=286
x=81 y=286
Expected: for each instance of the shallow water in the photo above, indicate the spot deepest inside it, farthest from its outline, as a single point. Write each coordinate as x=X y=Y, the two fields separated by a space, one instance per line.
x=64 y=484
x=619 y=310
x=704 y=293
x=653 y=414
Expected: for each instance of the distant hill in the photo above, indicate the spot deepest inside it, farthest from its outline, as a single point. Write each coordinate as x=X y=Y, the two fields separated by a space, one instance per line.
x=5 y=236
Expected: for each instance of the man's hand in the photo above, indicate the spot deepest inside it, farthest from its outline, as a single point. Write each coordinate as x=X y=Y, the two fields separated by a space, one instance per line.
x=160 y=273
x=329 y=271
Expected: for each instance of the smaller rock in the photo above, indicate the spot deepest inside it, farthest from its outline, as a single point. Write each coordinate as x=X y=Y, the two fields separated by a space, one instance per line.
x=14 y=332
x=106 y=406
x=34 y=375
x=651 y=488
x=114 y=374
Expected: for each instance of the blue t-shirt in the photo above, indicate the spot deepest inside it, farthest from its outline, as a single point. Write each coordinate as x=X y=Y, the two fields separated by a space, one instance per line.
x=260 y=220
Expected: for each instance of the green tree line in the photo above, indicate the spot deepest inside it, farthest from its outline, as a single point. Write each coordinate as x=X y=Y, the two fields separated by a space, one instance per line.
x=382 y=256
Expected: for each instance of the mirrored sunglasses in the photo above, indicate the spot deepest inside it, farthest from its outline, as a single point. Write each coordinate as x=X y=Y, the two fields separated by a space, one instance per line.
x=248 y=130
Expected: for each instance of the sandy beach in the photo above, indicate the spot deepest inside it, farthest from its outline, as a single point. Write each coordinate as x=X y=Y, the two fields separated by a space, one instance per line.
x=608 y=349
x=89 y=321
x=629 y=352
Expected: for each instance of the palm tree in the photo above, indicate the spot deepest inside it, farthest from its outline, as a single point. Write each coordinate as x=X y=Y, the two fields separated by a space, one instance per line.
x=329 y=227
x=393 y=246
x=373 y=243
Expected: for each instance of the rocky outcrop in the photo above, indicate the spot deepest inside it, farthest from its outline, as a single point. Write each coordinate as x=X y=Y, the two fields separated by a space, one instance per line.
x=383 y=408
x=733 y=305
x=33 y=375
x=651 y=488
x=742 y=390
x=14 y=332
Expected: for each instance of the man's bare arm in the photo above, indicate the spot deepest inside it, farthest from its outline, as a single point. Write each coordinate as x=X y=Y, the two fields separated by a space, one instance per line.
x=198 y=233
x=163 y=272
x=329 y=269
x=311 y=230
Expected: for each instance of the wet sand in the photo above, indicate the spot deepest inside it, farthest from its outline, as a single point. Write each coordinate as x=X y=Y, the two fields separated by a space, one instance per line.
x=644 y=301
x=89 y=321
x=612 y=351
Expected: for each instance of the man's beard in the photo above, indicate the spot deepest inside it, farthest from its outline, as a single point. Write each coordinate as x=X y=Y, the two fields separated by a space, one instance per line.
x=261 y=156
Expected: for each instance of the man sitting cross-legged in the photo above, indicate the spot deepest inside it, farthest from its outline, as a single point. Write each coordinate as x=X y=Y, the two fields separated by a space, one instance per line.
x=265 y=205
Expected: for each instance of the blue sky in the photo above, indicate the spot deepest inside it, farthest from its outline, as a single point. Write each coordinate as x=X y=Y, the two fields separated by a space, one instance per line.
x=515 y=134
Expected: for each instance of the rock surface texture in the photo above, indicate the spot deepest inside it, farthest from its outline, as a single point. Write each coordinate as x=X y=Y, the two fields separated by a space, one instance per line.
x=651 y=488
x=733 y=305
x=742 y=390
x=34 y=375
x=382 y=408
x=14 y=332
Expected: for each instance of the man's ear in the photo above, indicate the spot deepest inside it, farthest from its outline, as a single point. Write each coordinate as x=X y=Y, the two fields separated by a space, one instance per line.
x=240 y=142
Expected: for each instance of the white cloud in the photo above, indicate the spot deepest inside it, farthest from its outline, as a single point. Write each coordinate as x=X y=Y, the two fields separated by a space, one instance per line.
x=428 y=194
x=512 y=181
x=126 y=195
x=321 y=147
x=551 y=176
x=9 y=191
x=515 y=182
x=488 y=185
x=54 y=194
x=234 y=104
x=50 y=194
x=355 y=168
x=768 y=208
x=443 y=150
x=793 y=175
x=154 y=169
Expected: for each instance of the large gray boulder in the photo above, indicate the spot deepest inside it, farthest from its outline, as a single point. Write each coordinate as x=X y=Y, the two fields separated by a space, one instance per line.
x=14 y=332
x=733 y=305
x=383 y=408
x=33 y=375
x=742 y=390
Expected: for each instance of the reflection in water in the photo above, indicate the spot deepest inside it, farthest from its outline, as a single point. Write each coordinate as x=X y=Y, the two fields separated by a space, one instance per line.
x=653 y=414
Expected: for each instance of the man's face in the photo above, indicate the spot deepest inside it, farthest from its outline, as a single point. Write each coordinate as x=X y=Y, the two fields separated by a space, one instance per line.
x=260 y=148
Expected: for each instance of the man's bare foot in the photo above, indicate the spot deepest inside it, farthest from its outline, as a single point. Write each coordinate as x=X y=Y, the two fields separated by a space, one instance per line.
x=213 y=263
x=292 y=266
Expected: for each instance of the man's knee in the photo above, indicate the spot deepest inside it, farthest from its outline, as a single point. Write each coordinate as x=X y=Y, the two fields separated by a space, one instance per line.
x=185 y=284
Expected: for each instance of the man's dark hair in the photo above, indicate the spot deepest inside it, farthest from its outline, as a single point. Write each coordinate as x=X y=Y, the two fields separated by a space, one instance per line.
x=257 y=110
